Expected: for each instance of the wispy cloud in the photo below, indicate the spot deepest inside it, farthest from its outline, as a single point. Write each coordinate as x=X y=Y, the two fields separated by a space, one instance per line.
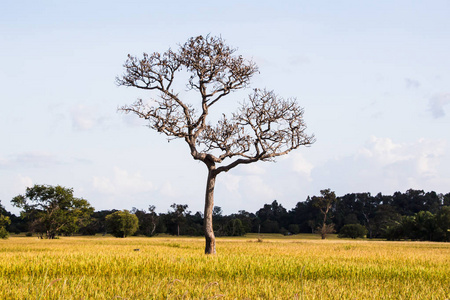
x=412 y=83
x=85 y=117
x=422 y=155
x=33 y=159
x=301 y=165
x=122 y=182
x=437 y=104
x=22 y=182
x=383 y=165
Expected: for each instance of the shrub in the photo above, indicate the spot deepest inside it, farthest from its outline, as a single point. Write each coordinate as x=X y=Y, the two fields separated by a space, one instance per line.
x=3 y=233
x=352 y=231
x=284 y=231
x=294 y=228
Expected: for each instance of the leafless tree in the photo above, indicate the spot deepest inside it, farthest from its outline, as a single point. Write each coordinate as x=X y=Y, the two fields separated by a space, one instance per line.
x=264 y=126
x=324 y=203
x=153 y=218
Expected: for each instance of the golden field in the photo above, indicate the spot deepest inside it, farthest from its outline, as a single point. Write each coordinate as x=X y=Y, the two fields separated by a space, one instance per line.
x=296 y=267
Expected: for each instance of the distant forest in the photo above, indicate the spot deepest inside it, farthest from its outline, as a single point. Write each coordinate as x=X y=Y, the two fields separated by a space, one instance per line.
x=413 y=215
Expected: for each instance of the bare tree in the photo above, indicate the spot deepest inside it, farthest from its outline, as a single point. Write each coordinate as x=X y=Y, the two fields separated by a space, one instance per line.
x=264 y=127
x=153 y=218
x=324 y=203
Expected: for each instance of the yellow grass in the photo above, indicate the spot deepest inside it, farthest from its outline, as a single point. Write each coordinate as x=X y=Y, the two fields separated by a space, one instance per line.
x=176 y=268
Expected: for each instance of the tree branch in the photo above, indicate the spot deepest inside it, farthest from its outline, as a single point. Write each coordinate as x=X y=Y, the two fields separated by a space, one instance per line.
x=265 y=126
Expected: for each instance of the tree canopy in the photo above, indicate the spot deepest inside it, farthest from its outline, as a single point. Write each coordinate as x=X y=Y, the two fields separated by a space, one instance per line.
x=263 y=127
x=4 y=221
x=53 y=210
x=122 y=223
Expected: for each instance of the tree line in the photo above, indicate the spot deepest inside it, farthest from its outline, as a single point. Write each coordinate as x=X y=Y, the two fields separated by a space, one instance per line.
x=50 y=211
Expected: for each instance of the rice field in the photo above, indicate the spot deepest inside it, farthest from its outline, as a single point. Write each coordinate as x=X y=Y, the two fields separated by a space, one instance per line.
x=299 y=267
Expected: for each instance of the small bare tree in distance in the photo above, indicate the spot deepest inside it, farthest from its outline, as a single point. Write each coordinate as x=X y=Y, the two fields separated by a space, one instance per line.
x=324 y=203
x=263 y=127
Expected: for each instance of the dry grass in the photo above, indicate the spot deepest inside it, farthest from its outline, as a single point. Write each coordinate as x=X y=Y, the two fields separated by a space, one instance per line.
x=176 y=268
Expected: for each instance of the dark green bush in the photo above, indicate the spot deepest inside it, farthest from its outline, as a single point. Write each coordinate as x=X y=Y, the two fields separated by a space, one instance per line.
x=294 y=228
x=235 y=228
x=4 y=234
x=352 y=231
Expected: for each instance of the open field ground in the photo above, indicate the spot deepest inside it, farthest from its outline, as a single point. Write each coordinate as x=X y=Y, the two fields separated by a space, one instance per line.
x=299 y=267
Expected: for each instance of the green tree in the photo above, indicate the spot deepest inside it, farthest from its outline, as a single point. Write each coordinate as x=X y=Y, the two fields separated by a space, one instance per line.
x=147 y=220
x=4 y=221
x=179 y=214
x=446 y=199
x=353 y=231
x=53 y=210
x=263 y=128
x=385 y=217
x=122 y=223
x=294 y=228
x=443 y=223
x=273 y=216
x=235 y=227
x=424 y=226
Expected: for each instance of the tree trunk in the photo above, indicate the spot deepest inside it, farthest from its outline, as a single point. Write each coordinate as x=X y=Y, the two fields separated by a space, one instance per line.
x=324 y=228
x=210 y=247
x=369 y=229
x=153 y=229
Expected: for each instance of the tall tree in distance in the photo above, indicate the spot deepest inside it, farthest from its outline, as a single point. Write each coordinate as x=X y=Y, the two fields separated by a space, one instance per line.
x=179 y=214
x=262 y=128
x=153 y=218
x=324 y=203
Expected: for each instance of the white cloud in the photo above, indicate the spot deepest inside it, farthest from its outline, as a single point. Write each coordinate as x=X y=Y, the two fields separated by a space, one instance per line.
x=243 y=191
x=85 y=117
x=231 y=182
x=301 y=165
x=383 y=165
x=103 y=185
x=25 y=181
x=12 y=185
x=168 y=190
x=423 y=155
x=252 y=169
x=21 y=183
x=3 y=162
x=122 y=182
x=437 y=104
x=384 y=151
x=255 y=187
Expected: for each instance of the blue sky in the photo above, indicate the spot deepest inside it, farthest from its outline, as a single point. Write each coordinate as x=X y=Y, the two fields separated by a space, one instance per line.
x=373 y=77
